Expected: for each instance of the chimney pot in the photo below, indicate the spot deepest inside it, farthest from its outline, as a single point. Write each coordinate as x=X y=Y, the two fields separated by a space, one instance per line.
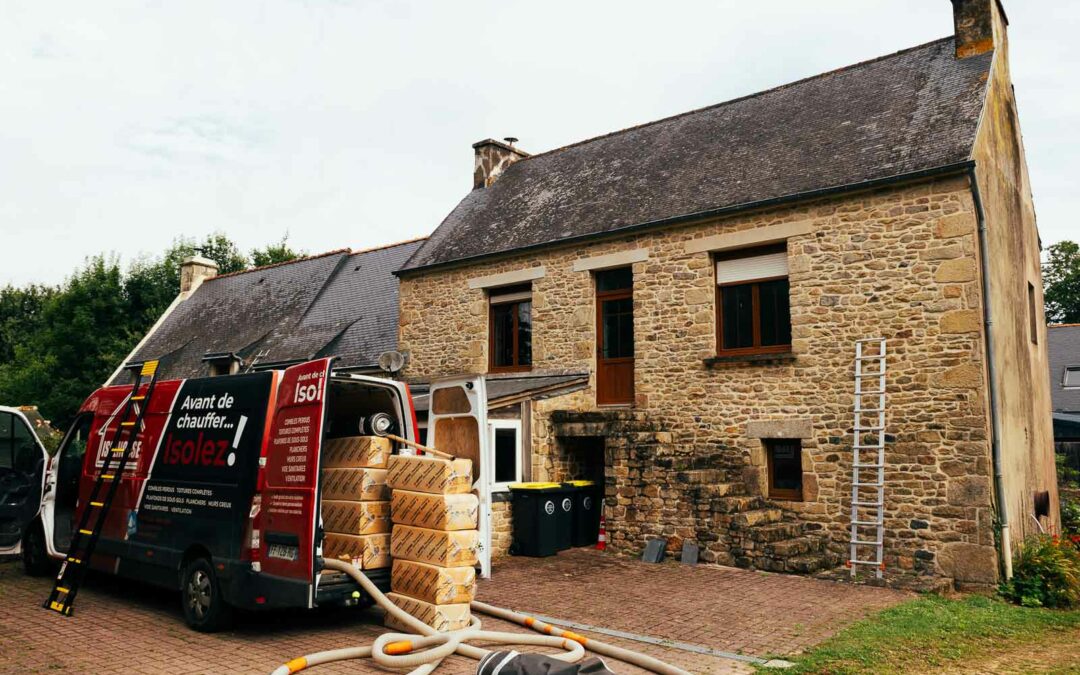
x=194 y=271
x=492 y=158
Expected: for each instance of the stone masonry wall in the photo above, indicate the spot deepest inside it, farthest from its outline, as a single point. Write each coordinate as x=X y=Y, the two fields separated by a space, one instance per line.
x=897 y=263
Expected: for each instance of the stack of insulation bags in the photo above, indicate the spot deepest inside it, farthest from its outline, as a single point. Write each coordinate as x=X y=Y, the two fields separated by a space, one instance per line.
x=434 y=541
x=355 y=505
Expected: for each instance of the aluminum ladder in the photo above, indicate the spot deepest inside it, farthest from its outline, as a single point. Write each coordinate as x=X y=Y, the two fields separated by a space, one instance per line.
x=868 y=458
x=85 y=538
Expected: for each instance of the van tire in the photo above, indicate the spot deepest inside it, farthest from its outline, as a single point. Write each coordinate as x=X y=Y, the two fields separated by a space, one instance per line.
x=205 y=609
x=35 y=559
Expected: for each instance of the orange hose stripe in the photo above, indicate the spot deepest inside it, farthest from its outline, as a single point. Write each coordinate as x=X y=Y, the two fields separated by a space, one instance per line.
x=571 y=635
x=296 y=664
x=395 y=648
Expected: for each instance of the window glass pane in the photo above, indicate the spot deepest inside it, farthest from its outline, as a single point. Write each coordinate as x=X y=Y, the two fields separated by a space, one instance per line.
x=618 y=327
x=502 y=334
x=524 y=334
x=7 y=440
x=1072 y=377
x=615 y=280
x=775 y=313
x=737 y=317
x=506 y=455
x=27 y=454
x=786 y=462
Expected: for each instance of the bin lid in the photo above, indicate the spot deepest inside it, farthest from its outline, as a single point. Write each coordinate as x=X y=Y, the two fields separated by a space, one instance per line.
x=581 y=483
x=534 y=486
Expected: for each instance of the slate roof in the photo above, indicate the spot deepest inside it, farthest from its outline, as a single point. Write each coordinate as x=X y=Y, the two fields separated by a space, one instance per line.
x=907 y=112
x=340 y=304
x=1063 y=348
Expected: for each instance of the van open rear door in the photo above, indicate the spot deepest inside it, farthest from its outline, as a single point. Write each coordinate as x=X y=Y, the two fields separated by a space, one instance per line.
x=457 y=424
x=289 y=502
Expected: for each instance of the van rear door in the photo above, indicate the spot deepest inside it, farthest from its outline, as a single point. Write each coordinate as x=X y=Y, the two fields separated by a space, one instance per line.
x=22 y=477
x=457 y=424
x=289 y=504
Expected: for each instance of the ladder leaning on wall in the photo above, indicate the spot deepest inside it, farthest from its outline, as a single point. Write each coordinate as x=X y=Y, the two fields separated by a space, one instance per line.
x=868 y=458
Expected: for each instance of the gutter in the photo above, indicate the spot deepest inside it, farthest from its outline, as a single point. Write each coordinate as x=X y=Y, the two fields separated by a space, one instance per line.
x=991 y=374
x=946 y=169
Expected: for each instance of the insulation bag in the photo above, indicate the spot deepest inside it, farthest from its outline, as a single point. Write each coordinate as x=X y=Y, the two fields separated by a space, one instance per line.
x=356 y=517
x=369 y=551
x=436 y=512
x=436 y=547
x=352 y=452
x=429 y=474
x=355 y=484
x=442 y=618
x=434 y=584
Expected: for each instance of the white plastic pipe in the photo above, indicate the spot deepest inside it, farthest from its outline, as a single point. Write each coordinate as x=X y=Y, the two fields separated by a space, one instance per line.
x=425 y=650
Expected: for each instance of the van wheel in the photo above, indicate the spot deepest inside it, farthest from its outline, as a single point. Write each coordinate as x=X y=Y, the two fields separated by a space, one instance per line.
x=205 y=610
x=36 y=561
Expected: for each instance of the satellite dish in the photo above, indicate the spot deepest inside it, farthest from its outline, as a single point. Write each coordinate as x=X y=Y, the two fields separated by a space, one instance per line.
x=391 y=361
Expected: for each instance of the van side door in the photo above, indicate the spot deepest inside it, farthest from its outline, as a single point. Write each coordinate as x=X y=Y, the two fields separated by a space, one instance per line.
x=457 y=424
x=22 y=478
x=290 y=504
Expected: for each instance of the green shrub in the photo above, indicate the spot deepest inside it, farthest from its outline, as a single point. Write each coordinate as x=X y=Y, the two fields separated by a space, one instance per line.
x=1070 y=517
x=1046 y=573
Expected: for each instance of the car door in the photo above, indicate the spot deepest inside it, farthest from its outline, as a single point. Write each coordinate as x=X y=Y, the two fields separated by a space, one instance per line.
x=457 y=424
x=290 y=500
x=23 y=461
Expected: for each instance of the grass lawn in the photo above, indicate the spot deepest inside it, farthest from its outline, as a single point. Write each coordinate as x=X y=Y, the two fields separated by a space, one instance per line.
x=935 y=633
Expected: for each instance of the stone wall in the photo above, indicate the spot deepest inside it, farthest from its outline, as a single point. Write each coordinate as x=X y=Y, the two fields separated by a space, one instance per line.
x=897 y=263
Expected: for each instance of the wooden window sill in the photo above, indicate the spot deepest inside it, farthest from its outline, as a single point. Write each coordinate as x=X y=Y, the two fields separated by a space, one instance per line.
x=774 y=358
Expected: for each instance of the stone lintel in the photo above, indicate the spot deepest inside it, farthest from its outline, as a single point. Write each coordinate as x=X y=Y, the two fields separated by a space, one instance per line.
x=770 y=234
x=508 y=278
x=611 y=260
x=796 y=427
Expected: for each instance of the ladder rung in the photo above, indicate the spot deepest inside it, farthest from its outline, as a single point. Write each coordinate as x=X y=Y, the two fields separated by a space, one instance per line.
x=97 y=504
x=56 y=606
x=119 y=449
x=876 y=392
x=865 y=429
x=87 y=532
x=873 y=357
x=858 y=542
x=869 y=447
x=107 y=476
x=868 y=504
x=863 y=411
x=866 y=522
x=62 y=589
x=128 y=424
x=866 y=562
x=873 y=374
x=74 y=560
x=138 y=398
x=874 y=485
x=869 y=466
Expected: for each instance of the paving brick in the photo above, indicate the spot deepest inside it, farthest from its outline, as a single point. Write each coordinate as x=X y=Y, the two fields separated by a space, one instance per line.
x=120 y=627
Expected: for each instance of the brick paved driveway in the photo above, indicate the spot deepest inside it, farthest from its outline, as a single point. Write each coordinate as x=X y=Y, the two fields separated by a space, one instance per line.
x=120 y=628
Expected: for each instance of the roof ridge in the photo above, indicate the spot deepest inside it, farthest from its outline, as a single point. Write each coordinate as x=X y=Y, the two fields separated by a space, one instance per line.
x=305 y=258
x=756 y=94
x=386 y=246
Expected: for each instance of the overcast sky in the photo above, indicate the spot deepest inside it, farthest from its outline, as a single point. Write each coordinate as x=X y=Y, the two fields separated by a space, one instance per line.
x=349 y=124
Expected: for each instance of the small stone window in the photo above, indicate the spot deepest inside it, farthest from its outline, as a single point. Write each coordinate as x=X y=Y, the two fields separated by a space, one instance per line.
x=784 y=459
x=510 y=329
x=753 y=314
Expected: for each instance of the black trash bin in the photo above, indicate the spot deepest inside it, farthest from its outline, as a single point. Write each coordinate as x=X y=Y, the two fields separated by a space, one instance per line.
x=537 y=520
x=586 y=511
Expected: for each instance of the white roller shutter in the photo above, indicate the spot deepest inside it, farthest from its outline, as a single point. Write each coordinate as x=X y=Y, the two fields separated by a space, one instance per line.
x=752 y=267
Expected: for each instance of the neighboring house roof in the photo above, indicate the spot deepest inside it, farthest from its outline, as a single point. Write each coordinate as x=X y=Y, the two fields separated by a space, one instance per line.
x=341 y=304
x=908 y=112
x=1063 y=348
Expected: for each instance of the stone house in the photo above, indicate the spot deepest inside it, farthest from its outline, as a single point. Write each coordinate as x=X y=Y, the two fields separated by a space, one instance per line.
x=695 y=286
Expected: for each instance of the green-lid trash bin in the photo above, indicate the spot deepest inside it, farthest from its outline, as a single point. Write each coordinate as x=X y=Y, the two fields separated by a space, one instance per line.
x=586 y=512
x=541 y=525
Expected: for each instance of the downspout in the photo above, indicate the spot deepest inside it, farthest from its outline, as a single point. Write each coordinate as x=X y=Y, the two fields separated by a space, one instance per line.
x=991 y=373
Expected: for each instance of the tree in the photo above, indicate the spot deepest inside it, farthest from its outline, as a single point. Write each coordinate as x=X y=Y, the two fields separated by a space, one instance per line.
x=274 y=253
x=1061 y=283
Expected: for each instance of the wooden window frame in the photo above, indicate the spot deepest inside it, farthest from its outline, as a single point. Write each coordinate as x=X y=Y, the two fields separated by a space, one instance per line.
x=782 y=494
x=516 y=367
x=755 y=312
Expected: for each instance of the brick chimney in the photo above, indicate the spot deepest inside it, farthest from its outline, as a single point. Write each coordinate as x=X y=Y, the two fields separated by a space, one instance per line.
x=980 y=26
x=492 y=158
x=194 y=271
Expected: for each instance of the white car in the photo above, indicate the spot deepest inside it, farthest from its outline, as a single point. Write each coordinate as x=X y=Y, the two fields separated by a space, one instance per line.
x=24 y=462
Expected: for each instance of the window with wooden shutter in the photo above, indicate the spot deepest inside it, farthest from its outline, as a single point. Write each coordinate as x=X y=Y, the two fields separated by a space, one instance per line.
x=752 y=302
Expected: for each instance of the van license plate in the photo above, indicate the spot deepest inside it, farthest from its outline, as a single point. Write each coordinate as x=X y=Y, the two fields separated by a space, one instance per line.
x=283 y=552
